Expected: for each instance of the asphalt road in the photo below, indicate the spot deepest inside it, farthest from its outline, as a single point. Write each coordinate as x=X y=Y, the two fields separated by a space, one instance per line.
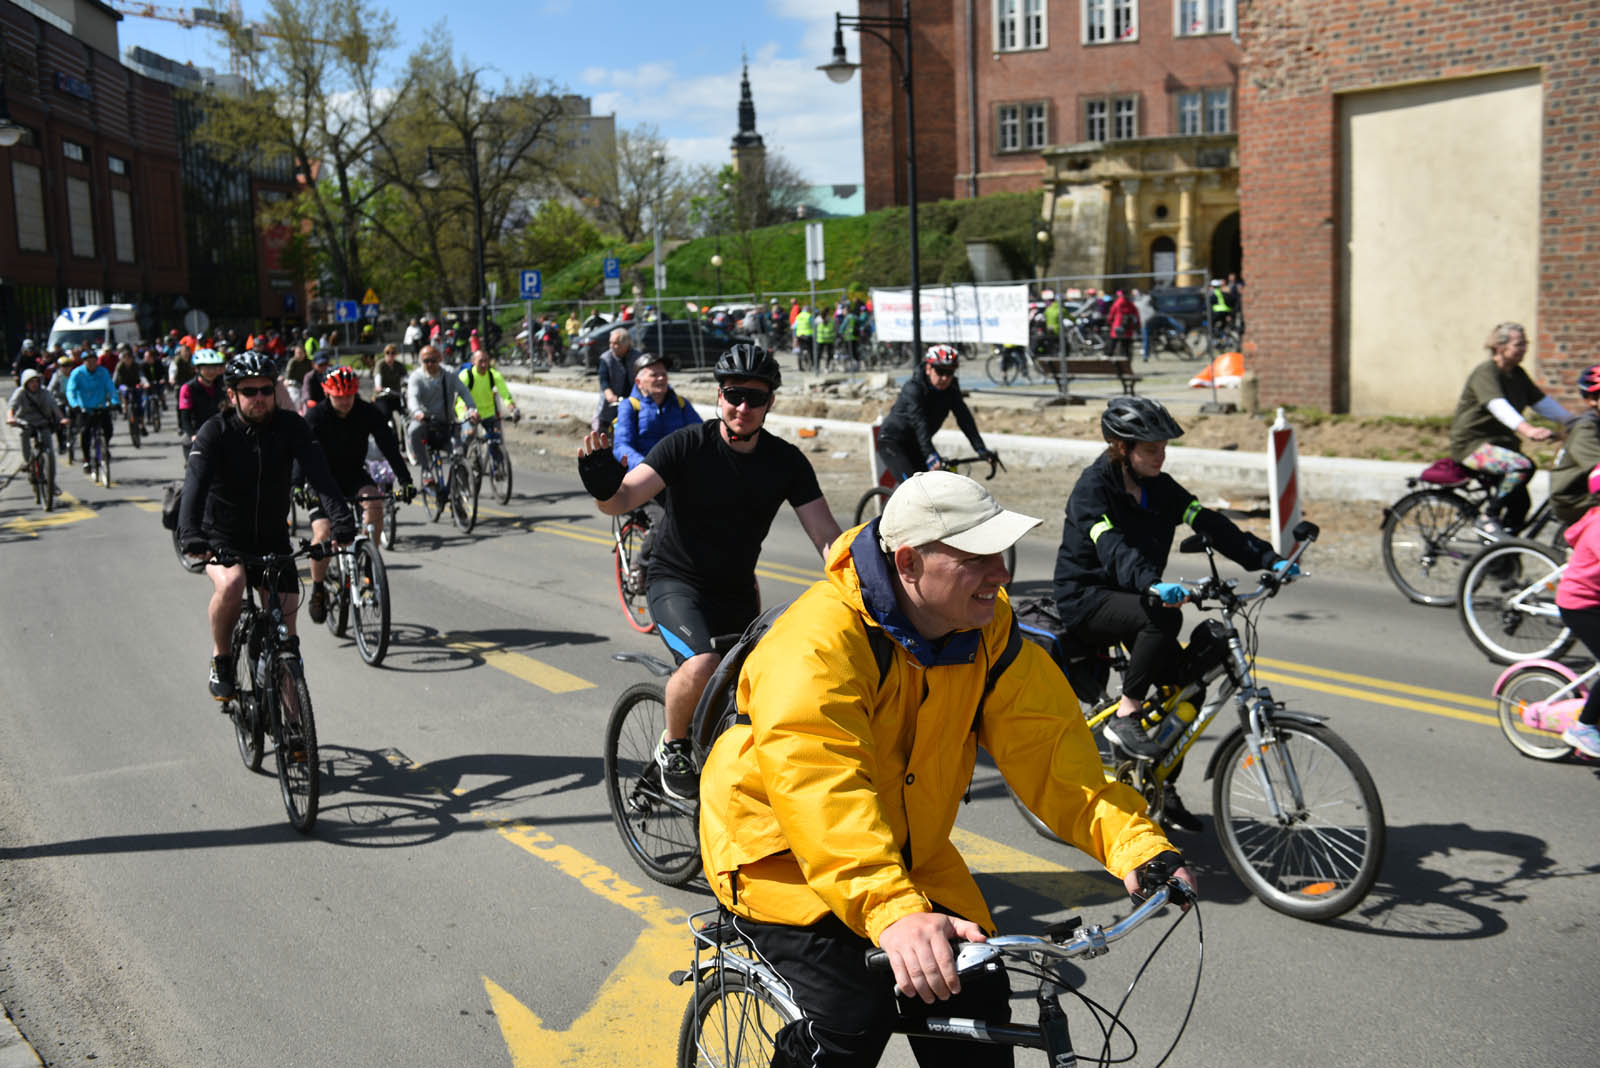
x=466 y=900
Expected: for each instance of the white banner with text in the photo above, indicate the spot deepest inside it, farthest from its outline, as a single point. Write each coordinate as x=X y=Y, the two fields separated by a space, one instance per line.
x=996 y=315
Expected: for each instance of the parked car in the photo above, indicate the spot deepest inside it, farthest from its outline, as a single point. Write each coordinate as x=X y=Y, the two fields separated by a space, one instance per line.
x=1187 y=304
x=588 y=346
x=686 y=343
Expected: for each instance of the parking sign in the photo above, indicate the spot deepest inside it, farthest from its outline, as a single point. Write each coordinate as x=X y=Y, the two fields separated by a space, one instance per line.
x=532 y=285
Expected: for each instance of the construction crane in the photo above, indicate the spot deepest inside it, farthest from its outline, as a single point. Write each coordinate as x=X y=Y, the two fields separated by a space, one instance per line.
x=240 y=34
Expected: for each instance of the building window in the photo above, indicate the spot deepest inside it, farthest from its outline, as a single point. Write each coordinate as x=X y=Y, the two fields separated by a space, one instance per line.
x=122 y=224
x=116 y=164
x=80 y=218
x=1095 y=127
x=1205 y=111
x=1124 y=118
x=27 y=186
x=1106 y=21
x=1035 y=124
x=74 y=151
x=1018 y=25
x=1008 y=128
x=1195 y=18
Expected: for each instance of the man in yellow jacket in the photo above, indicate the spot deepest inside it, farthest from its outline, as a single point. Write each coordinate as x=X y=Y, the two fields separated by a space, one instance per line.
x=826 y=809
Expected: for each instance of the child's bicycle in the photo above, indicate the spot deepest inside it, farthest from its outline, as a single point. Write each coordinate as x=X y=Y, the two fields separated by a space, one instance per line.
x=1295 y=810
x=1536 y=701
x=739 y=1003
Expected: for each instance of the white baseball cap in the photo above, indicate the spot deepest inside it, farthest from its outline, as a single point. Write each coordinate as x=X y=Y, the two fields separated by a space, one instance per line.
x=946 y=507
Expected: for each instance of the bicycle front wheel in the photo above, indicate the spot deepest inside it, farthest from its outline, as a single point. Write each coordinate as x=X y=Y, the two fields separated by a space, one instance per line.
x=732 y=1022
x=1506 y=601
x=102 y=463
x=463 y=501
x=391 y=521
x=1538 y=735
x=1427 y=540
x=299 y=779
x=500 y=473
x=371 y=604
x=338 y=599
x=249 y=725
x=1321 y=855
x=870 y=506
x=660 y=831
x=630 y=577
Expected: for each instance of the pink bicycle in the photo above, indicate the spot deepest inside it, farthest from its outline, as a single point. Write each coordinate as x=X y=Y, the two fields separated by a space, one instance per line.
x=1537 y=700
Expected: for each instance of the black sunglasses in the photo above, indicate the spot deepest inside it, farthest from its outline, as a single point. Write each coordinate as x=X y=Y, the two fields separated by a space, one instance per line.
x=254 y=391
x=746 y=395
x=942 y=372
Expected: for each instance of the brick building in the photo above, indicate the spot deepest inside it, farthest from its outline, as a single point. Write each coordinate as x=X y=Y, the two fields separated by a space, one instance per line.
x=1412 y=174
x=91 y=205
x=1121 y=110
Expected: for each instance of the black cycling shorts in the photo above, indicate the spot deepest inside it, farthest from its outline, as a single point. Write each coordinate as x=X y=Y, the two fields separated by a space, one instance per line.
x=687 y=619
x=318 y=512
x=256 y=576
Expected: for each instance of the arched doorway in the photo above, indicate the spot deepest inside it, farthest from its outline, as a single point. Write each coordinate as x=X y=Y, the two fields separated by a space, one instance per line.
x=1163 y=262
x=1227 y=254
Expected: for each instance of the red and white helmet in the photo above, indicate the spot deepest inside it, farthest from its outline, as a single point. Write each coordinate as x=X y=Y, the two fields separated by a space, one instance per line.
x=942 y=356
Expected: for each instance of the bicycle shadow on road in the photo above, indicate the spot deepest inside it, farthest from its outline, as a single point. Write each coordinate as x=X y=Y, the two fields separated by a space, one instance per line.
x=416 y=647
x=381 y=799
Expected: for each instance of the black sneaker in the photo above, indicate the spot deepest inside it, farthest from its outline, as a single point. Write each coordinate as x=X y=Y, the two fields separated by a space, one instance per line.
x=221 y=682
x=1174 y=815
x=317 y=607
x=679 y=777
x=1125 y=733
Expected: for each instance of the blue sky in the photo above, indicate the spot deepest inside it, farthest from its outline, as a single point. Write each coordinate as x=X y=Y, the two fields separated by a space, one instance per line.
x=673 y=65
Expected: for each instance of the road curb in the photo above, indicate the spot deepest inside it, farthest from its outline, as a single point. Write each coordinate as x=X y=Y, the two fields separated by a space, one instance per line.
x=1326 y=478
x=15 y=1050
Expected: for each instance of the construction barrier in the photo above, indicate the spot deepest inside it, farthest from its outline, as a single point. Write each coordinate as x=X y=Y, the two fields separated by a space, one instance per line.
x=1227 y=369
x=1283 y=483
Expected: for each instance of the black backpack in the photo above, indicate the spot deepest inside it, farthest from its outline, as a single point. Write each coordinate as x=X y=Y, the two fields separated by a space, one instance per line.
x=719 y=701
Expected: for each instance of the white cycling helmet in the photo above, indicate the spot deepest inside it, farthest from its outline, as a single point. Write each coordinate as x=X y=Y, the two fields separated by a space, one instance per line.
x=207 y=358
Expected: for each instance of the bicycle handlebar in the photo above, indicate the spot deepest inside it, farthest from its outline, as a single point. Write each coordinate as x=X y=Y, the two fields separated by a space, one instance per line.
x=1268 y=585
x=311 y=550
x=966 y=461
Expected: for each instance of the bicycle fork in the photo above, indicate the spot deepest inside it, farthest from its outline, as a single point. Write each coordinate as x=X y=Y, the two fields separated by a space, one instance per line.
x=1256 y=709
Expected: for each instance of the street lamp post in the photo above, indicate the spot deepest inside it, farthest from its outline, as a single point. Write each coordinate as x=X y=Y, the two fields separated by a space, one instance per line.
x=432 y=179
x=716 y=261
x=840 y=69
x=658 y=158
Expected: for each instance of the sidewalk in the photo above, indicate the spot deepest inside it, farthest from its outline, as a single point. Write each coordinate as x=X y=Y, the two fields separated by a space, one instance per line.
x=15 y=1051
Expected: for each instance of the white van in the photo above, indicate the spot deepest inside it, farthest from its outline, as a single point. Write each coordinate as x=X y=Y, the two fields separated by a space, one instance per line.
x=97 y=325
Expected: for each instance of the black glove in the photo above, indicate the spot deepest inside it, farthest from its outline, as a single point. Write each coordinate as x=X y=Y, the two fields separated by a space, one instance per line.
x=197 y=548
x=408 y=493
x=601 y=474
x=1153 y=873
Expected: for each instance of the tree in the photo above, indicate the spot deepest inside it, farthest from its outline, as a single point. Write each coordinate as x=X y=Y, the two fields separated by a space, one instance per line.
x=730 y=203
x=554 y=237
x=621 y=193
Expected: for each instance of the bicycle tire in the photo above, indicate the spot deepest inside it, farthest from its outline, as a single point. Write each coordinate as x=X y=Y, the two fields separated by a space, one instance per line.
x=249 y=726
x=1427 y=540
x=500 y=473
x=153 y=419
x=660 y=832
x=134 y=433
x=635 y=606
x=731 y=1022
x=870 y=506
x=371 y=607
x=299 y=777
x=1322 y=862
x=463 y=501
x=436 y=498
x=391 y=522
x=337 y=593
x=1000 y=370
x=1529 y=684
x=48 y=462
x=102 y=461
x=1510 y=571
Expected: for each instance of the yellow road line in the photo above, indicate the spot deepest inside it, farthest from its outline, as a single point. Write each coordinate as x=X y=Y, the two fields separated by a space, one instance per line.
x=144 y=504
x=526 y=668
x=1380 y=698
x=780 y=577
x=1367 y=680
x=576 y=533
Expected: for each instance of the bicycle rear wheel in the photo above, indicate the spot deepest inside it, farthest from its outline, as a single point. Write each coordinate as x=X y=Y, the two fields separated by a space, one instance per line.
x=731 y=1022
x=1427 y=540
x=630 y=577
x=371 y=605
x=463 y=501
x=1322 y=857
x=1534 y=685
x=661 y=832
x=870 y=506
x=1507 y=603
x=299 y=778
x=500 y=473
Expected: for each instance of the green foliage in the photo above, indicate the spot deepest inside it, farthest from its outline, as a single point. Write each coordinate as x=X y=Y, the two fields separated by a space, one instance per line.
x=555 y=237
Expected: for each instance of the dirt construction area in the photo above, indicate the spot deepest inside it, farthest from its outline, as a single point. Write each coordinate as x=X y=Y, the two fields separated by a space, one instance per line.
x=1350 y=529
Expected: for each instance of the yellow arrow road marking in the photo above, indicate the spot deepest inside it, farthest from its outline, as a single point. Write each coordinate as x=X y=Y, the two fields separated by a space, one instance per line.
x=526 y=668
x=70 y=510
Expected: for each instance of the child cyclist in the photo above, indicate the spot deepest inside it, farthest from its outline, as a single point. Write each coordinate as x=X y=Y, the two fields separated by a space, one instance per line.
x=1578 y=597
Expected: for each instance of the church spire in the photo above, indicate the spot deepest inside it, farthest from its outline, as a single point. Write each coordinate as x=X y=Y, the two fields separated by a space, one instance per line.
x=747 y=136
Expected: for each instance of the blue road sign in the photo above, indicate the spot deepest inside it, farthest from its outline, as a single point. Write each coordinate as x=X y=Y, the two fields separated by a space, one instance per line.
x=346 y=311
x=613 y=267
x=532 y=285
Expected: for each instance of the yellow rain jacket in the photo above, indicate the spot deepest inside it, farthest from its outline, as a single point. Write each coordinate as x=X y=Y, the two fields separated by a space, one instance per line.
x=839 y=794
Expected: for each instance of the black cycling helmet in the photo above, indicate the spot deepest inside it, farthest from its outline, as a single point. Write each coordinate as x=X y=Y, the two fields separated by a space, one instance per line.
x=1138 y=419
x=1589 y=381
x=249 y=365
x=748 y=361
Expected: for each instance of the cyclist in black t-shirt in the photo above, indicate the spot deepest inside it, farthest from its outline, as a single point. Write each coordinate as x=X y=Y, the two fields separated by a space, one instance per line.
x=725 y=481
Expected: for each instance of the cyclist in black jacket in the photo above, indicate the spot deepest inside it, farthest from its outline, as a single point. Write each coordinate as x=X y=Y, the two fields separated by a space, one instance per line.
x=343 y=426
x=1121 y=517
x=236 y=498
x=905 y=441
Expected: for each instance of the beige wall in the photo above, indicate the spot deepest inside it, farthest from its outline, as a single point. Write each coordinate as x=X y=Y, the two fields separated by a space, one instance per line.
x=1439 y=227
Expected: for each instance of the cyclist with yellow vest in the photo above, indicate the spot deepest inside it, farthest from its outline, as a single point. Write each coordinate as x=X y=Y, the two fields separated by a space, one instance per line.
x=483 y=383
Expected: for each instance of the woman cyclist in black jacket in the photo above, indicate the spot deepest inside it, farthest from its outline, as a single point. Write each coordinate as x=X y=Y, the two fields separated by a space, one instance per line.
x=1121 y=517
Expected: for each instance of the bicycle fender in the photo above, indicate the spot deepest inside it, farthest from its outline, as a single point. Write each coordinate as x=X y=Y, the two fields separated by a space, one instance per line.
x=1307 y=719
x=1554 y=665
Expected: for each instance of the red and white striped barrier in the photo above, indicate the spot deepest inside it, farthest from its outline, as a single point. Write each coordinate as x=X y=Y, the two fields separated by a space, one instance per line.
x=1283 y=483
x=880 y=473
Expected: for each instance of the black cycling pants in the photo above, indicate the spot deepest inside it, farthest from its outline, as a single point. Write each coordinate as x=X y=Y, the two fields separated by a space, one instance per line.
x=687 y=619
x=898 y=461
x=1150 y=631
x=388 y=403
x=1585 y=623
x=87 y=421
x=848 y=1011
